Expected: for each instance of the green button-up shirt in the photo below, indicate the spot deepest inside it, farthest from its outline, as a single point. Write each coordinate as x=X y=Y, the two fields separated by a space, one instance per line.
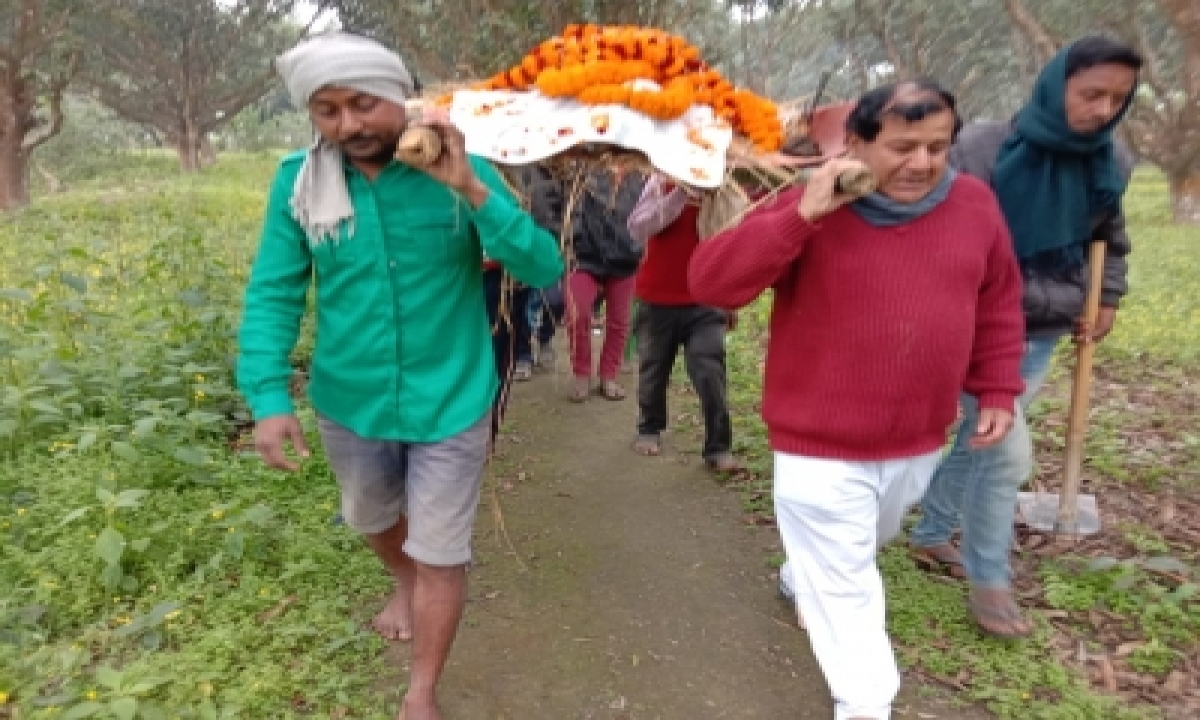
x=403 y=348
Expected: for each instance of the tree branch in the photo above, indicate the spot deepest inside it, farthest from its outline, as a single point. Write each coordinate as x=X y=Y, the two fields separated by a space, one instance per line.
x=56 y=89
x=222 y=110
x=1045 y=45
x=1135 y=29
x=130 y=109
x=49 y=31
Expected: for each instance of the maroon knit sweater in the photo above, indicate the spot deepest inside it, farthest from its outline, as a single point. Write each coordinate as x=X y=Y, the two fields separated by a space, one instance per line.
x=662 y=277
x=874 y=331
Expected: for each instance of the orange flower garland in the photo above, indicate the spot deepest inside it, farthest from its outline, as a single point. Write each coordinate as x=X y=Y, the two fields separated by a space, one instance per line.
x=596 y=65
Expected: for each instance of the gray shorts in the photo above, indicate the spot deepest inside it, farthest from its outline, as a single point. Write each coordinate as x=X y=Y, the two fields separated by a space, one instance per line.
x=435 y=484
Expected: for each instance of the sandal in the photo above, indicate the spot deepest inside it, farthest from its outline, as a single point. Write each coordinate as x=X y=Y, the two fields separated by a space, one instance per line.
x=581 y=391
x=648 y=445
x=611 y=390
x=936 y=562
x=987 y=614
x=523 y=371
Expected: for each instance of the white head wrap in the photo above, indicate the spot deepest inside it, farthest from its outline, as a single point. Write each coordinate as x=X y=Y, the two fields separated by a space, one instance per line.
x=320 y=200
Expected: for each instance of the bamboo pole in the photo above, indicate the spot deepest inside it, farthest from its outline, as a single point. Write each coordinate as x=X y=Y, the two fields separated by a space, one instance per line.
x=1068 y=505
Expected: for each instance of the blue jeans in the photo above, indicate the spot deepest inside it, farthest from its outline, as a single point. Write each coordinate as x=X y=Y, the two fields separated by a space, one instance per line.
x=545 y=311
x=979 y=487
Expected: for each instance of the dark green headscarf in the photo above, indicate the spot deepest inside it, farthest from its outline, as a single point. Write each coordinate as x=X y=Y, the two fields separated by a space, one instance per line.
x=1052 y=181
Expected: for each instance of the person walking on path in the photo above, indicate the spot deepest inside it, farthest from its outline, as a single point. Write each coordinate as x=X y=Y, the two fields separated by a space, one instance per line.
x=403 y=377
x=668 y=317
x=543 y=307
x=1059 y=174
x=884 y=309
x=606 y=258
x=511 y=334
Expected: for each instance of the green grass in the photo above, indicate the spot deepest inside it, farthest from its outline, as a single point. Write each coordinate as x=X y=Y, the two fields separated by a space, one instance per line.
x=151 y=569
x=1159 y=322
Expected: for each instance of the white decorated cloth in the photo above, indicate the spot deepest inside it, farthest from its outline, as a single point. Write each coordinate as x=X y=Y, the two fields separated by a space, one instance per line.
x=517 y=128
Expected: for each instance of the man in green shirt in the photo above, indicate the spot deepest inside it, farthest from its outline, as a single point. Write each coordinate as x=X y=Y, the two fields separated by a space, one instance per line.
x=402 y=377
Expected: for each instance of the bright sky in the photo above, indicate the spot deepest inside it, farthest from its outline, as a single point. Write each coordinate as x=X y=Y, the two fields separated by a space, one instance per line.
x=305 y=10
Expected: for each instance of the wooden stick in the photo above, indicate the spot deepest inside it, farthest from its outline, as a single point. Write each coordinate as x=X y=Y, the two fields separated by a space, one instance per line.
x=1068 y=503
x=857 y=182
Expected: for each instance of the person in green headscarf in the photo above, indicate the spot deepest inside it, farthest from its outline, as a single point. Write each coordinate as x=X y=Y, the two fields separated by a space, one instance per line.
x=1059 y=174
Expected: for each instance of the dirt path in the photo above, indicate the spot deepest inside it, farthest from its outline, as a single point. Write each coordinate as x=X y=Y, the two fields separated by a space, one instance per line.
x=639 y=593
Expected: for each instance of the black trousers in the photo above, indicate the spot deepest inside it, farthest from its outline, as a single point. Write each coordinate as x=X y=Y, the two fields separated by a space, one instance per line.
x=510 y=336
x=549 y=312
x=700 y=331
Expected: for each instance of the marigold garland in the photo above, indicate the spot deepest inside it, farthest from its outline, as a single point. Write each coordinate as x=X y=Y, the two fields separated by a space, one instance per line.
x=596 y=65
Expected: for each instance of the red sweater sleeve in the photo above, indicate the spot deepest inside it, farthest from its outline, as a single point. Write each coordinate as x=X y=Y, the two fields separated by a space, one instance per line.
x=731 y=269
x=994 y=376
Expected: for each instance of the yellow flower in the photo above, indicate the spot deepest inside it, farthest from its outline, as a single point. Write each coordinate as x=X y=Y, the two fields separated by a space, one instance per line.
x=218 y=514
x=173 y=614
x=3 y=698
x=200 y=395
x=21 y=511
x=199 y=378
x=264 y=592
x=91 y=695
x=206 y=689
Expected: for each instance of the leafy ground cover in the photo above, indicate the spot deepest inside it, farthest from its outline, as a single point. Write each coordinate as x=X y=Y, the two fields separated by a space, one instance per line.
x=148 y=566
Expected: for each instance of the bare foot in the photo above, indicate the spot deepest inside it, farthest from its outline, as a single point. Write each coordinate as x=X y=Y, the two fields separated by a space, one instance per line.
x=394 y=622
x=724 y=463
x=611 y=390
x=648 y=445
x=580 y=390
x=414 y=710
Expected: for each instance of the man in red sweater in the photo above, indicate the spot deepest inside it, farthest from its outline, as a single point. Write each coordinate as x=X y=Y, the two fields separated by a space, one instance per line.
x=885 y=308
x=665 y=222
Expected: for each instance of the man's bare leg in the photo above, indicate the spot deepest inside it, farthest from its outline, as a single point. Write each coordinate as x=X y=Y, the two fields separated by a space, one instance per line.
x=395 y=621
x=438 y=603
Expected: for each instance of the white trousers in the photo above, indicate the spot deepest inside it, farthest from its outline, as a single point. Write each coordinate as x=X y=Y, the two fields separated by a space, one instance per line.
x=833 y=516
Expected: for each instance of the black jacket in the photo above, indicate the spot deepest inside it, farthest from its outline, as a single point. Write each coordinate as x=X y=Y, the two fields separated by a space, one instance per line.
x=600 y=243
x=1052 y=300
x=600 y=226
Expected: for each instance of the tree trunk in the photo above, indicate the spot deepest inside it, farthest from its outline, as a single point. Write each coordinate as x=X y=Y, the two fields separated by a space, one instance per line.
x=14 y=175
x=1185 y=196
x=188 y=148
x=207 y=152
